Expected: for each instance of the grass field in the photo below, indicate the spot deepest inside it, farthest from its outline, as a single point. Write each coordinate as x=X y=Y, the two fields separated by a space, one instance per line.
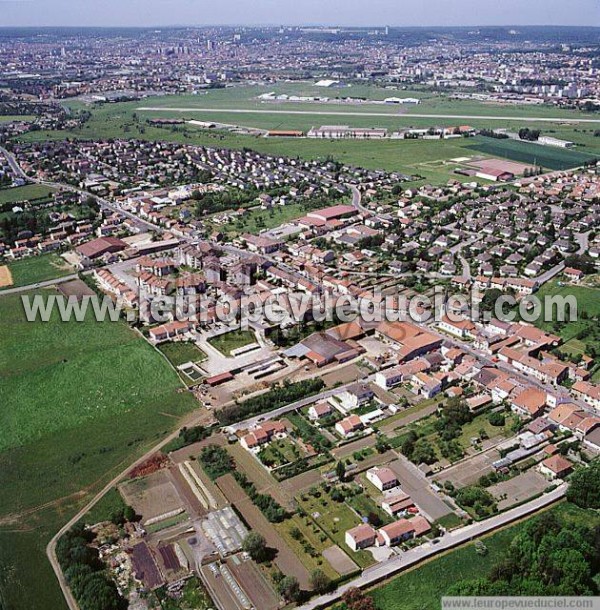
x=233 y=340
x=257 y=220
x=36 y=269
x=7 y=118
x=588 y=301
x=546 y=156
x=179 y=352
x=24 y=193
x=85 y=400
x=423 y=587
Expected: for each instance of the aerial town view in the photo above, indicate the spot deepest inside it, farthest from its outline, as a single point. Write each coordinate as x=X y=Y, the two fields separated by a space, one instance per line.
x=299 y=304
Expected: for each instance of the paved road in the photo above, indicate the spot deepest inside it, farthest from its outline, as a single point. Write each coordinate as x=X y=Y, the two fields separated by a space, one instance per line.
x=46 y=284
x=253 y=421
x=395 y=564
x=370 y=114
x=414 y=483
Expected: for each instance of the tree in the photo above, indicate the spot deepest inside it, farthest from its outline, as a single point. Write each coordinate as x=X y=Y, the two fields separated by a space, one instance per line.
x=340 y=470
x=355 y=599
x=584 y=488
x=256 y=546
x=319 y=581
x=497 y=419
x=288 y=587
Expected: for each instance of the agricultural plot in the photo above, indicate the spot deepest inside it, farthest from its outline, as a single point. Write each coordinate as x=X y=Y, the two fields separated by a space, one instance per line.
x=102 y=398
x=531 y=154
x=152 y=496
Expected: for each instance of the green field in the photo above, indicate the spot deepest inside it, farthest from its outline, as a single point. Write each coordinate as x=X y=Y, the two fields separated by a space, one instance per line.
x=534 y=154
x=334 y=518
x=422 y=587
x=180 y=352
x=233 y=340
x=7 y=118
x=588 y=304
x=24 y=193
x=85 y=400
x=36 y=269
x=411 y=157
x=255 y=221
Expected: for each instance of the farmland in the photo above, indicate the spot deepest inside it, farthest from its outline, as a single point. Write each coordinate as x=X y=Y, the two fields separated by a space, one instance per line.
x=102 y=397
x=534 y=154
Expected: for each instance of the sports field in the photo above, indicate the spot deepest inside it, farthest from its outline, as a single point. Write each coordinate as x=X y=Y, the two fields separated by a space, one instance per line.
x=84 y=399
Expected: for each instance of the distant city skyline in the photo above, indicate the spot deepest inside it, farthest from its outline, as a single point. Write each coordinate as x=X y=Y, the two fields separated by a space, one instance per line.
x=162 y=13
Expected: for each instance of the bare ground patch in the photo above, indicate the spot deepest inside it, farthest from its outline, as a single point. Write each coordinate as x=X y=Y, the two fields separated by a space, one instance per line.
x=6 y=278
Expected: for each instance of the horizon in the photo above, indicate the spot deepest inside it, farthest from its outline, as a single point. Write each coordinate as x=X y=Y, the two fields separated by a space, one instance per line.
x=267 y=13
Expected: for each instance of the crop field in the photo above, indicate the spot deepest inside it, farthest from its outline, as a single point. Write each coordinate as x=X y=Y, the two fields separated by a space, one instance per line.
x=545 y=156
x=423 y=586
x=102 y=397
x=94 y=372
x=36 y=269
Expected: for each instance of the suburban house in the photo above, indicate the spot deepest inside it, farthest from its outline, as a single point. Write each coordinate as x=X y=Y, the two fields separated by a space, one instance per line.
x=556 y=467
x=588 y=392
x=529 y=403
x=262 y=434
x=361 y=537
x=349 y=426
x=355 y=396
x=397 y=503
x=321 y=409
x=169 y=331
x=383 y=478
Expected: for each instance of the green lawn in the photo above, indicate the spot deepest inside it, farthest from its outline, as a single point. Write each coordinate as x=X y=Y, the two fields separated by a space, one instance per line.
x=7 y=118
x=233 y=340
x=24 y=193
x=36 y=269
x=180 y=352
x=258 y=220
x=85 y=400
x=423 y=587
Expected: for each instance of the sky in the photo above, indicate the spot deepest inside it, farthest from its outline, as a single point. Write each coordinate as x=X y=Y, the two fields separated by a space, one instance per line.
x=298 y=12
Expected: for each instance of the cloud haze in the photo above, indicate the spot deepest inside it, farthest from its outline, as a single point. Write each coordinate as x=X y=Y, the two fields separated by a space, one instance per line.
x=296 y=12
